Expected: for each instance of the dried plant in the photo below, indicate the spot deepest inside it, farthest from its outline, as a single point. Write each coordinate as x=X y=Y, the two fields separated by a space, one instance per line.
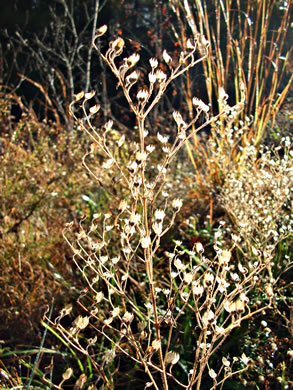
x=246 y=43
x=257 y=195
x=136 y=297
x=53 y=60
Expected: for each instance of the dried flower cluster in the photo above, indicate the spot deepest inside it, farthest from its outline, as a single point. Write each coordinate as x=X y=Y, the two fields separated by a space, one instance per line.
x=258 y=196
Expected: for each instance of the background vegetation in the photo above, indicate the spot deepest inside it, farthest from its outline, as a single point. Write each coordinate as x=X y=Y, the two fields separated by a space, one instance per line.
x=46 y=58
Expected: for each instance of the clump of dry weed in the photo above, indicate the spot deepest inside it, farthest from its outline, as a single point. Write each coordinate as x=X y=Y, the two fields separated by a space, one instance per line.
x=128 y=304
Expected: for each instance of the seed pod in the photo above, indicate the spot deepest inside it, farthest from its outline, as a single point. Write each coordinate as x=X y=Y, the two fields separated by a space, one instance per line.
x=101 y=31
x=117 y=46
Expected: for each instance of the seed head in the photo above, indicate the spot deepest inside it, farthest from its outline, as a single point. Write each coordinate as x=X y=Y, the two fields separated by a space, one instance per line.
x=134 y=219
x=242 y=269
x=67 y=374
x=188 y=278
x=204 y=41
x=132 y=77
x=107 y=164
x=199 y=247
x=152 y=78
x=132 y=167
x=197 y=289
x=115 y=312
x=108 y=125
x=117 y=45
x=133 y=59
x=150 y=148
x=161 y=76
x=167 y=58
x=269 y=290
x=89 y=95
x=172 y=357
x=159 y=215
x=142 y=95
x=140 y=157
x=115 y=260
x=178 y=119
x=240 y=306
x=81 y=322
x=128 y=317
x=190 y=46
x=212 y=374
x=198 y=103
x=162 y=139
x=226 y=362
x=224 y=257
x=101 y=30
x=244 y=358
x=208 y=279
x=156 y=344
x=145 y=242
x=157 y=228
x=178 y=264
x=208 y=317
x=153 y=63
x=177 y=204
